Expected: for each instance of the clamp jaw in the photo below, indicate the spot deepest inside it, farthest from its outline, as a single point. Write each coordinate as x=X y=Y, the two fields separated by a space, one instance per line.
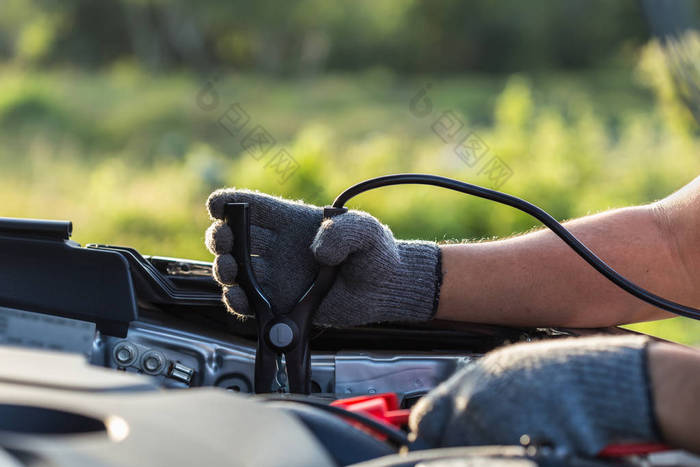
x=279 y=331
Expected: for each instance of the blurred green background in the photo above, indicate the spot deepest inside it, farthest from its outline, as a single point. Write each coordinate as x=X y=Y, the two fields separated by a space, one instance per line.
x=111 y=112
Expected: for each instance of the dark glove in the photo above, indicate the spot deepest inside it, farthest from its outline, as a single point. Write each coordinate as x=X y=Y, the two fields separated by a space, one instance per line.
x=578 y=395
x=380 y=278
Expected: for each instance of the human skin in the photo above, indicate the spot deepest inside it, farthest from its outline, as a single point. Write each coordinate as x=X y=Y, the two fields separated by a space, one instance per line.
x=674 y=371
x=537 y=280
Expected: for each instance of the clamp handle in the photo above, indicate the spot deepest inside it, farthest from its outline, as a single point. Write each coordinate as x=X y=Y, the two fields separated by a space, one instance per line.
x=299 y=357
x=278 y=331
x=237 y=216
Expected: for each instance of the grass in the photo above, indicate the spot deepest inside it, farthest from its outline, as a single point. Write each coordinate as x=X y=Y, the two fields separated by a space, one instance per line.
x=130 y=157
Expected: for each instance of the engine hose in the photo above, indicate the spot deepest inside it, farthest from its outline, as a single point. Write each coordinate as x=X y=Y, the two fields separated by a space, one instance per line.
x=582 y=250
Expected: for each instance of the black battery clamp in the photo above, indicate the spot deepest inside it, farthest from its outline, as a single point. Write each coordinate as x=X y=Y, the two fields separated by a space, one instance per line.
x=287 y=331
x=278 y=331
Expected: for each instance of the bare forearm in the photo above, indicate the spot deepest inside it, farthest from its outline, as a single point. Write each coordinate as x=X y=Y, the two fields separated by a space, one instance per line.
x=536 y=280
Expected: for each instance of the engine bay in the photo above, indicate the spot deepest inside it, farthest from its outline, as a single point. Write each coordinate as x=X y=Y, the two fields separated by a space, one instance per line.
x=160 y=322
x=164 y=317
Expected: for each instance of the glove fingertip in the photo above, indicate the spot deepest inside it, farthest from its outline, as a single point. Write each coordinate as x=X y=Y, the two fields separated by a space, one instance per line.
x=428 y=419
x=217 y=200
x=219 y=238
x=225 y=269
x=328 y=246
x=236 y=302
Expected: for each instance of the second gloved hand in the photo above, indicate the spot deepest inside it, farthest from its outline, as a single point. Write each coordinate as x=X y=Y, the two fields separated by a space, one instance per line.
x=379 y=279
x=576 y=395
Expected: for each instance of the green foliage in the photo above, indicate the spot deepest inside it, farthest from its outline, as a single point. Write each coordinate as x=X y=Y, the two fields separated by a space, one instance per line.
x=131 y=157
x=311 y=35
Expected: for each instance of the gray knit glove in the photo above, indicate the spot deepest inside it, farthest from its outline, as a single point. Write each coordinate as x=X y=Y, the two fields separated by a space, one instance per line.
x=578 y=395
x=380 y=279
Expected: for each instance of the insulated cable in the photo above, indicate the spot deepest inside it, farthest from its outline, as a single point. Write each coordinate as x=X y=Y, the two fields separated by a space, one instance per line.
x=582 y=250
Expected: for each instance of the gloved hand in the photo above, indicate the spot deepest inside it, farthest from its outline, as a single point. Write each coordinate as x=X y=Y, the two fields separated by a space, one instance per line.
x=578 y=395
x=380 y=278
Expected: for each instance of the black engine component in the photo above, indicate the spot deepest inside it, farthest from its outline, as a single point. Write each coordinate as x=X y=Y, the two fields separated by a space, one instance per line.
x=43 y=271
